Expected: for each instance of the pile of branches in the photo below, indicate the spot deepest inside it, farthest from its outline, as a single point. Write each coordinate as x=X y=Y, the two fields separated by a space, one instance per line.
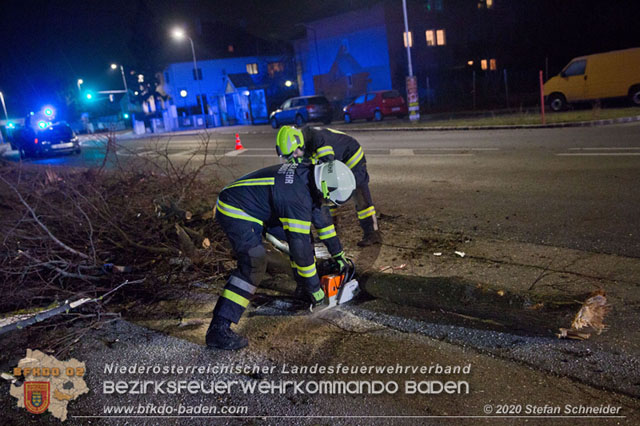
x=72 y=233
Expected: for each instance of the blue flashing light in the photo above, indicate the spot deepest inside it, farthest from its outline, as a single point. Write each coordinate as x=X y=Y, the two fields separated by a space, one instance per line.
x=89 y=96
x=48 y=112
x=10 y=125
x=42 y=124
x=125 y=115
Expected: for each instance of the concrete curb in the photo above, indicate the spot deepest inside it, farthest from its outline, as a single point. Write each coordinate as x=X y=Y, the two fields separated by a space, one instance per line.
x=504 y=127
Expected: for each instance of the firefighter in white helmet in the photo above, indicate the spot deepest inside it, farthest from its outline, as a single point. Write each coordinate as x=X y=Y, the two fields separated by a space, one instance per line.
x=283 y=195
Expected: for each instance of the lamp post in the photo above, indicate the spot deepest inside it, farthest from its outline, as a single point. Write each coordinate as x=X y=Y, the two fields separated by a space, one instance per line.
x=179 y=34
x=4 y=107
x=80 y=82
x=124 y=81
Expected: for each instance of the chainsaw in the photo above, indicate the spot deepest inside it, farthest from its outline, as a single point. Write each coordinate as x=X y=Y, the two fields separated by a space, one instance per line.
x=339 y=288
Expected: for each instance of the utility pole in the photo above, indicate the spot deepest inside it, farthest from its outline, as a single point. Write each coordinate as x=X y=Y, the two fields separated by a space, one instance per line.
x=412 y=83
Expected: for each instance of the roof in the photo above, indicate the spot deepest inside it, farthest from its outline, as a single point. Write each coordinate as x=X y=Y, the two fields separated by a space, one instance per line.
x=242 y=79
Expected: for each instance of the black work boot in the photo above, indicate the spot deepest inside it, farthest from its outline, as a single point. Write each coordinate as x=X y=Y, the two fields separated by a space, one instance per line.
x=370 y=238
x=220 y=336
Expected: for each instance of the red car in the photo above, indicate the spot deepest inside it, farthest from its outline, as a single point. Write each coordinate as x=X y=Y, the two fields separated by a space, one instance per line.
x=376 y=106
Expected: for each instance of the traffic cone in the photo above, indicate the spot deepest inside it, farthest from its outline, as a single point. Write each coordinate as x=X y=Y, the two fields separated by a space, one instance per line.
x=238 y=143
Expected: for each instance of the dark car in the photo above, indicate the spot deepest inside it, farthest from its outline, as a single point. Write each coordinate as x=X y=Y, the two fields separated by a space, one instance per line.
x=301 y=110
x=376 y=106
x=54 y=139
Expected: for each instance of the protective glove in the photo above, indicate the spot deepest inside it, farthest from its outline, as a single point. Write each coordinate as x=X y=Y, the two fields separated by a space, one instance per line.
x=341 y=261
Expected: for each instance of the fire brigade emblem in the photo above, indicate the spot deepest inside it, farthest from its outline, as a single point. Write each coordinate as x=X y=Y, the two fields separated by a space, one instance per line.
x=36 y=396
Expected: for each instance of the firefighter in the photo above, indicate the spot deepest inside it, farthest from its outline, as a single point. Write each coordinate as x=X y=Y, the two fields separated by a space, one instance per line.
x=283 y=195
x=320 y=145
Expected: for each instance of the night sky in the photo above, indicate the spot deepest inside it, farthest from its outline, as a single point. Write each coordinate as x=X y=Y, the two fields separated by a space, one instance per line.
x=48 y=45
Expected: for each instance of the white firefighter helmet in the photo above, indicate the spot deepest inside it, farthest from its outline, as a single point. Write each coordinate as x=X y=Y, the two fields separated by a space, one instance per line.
x=335 y=181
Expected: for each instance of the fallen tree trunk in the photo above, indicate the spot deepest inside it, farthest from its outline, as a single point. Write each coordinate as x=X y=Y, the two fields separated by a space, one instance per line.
x=466 y=298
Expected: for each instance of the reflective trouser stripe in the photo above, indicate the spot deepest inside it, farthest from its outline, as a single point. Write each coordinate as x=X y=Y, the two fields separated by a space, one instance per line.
x=235 y=212
x=295 y=225
x=326 y=233
x=355 y=158
x=305 y=271
x=363 y=214
x=333 y=211
x=242 y=284
x=236 y=298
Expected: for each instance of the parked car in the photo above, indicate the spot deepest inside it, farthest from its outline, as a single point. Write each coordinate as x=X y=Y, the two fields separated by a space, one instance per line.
x=376 y=106
x=54 y=139
x=301 y=110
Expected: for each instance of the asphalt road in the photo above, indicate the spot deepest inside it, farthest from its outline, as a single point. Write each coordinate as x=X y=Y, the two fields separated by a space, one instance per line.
x=565 y=187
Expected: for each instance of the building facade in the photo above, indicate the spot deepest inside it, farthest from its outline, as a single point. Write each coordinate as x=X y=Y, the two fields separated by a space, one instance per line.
x=237 y=90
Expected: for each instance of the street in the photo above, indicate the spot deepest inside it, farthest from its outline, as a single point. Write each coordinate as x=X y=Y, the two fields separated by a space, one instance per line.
x=568 y=187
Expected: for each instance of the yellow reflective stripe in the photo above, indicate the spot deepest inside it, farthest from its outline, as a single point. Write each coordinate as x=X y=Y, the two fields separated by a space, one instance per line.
x=236 y=298
x=252 y=182
x=323 y=151
x=355 y=158
x=333 y=211
x=336 y=131
x=235 y=212
x=363 y=214
x=306 y=271
x=295 y=225
x=326 y=233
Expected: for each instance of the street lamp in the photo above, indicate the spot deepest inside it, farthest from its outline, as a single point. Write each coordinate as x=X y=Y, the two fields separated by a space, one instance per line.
x=80 y=83
x=124 y=81
x=179 y=34
x=4 y=107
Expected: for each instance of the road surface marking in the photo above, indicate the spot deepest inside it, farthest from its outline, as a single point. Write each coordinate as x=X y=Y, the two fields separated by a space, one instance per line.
x=238 y=152
x=598 y=154
x=632 y=148
x=401 y=152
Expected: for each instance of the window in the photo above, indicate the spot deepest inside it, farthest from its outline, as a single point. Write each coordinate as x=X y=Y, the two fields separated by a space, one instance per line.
x=483 y=64
x=274 y=67
x=575 y=68
x=470 y=63
x=286 y=104
x=230 y=48
x=370 y=97
x=489 y=3
x=359 y=100
x=404 y=36
x=435 y=37
x=492 y=64
x=197 y=76
x=431 y=38
x=485 y=4
x=252 y=68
